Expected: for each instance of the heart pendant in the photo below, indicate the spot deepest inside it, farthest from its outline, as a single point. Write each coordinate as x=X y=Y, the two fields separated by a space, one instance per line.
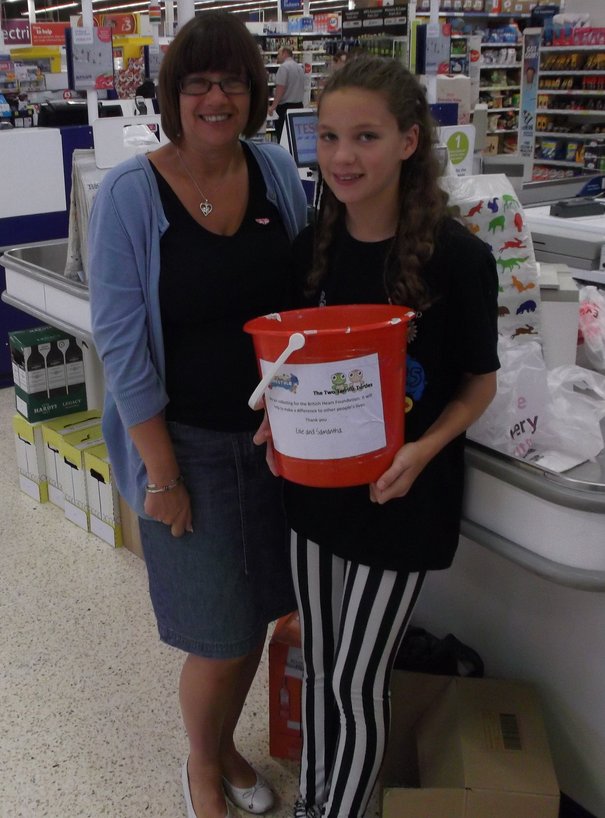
x=206 y=208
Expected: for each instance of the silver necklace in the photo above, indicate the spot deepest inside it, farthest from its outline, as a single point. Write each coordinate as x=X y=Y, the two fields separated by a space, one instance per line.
x=205 y=205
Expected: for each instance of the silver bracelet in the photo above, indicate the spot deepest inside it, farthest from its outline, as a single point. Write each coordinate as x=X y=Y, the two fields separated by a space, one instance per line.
x=153 y=488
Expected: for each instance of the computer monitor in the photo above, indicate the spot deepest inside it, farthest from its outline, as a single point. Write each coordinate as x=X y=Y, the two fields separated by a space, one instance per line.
x=109 y=109
x=516 y=167
x=58 y=113
x=301 y=125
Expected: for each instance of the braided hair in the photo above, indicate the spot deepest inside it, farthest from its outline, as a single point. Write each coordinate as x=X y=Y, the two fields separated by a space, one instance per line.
x=422 y=203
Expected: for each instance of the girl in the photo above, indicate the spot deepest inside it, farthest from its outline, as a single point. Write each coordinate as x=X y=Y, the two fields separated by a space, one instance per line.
x=360 y=555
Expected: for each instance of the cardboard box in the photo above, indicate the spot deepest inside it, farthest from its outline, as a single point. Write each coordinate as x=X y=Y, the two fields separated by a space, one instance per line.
x=456 y=89
x=102 y=493
x=30 y=458
x=48 y=371
x=73 y=475
x=53 y=433
x=481 y=750
x=285 y=688
x=131 y=534
x=492 y=145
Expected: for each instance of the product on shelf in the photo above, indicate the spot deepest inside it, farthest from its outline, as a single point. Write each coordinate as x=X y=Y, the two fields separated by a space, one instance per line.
x=564 y=138
x=594 y=156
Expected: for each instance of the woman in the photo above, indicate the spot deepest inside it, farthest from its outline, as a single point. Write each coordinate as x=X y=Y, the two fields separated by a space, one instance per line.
x=359 y=555
x=186 y=244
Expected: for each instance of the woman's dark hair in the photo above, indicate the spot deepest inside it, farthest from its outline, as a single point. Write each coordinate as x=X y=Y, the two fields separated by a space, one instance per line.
x=212 y=41
x=422 y=204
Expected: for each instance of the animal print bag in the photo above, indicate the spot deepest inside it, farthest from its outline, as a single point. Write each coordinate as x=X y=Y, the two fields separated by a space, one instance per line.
x=490 y=207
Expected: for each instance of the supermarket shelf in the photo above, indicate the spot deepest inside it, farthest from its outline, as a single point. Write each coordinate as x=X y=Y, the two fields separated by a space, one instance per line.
x=488 y=14
x=510 y=130
x=567 y=135
x=581 y=92
x=485 y=66
x=560 y=163
x=499 y=88
x=499 y=110
x=545 y=48
x=571 y=73
x=500 y=45
x=572 y=111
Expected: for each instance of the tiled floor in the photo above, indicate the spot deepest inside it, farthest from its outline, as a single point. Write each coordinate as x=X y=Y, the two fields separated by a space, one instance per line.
x=89 y=717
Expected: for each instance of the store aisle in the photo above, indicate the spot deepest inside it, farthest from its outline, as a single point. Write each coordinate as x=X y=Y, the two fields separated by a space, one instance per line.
x=89 y=722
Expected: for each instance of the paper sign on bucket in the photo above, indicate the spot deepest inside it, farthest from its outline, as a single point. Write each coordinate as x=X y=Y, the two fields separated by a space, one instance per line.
x=333 y=380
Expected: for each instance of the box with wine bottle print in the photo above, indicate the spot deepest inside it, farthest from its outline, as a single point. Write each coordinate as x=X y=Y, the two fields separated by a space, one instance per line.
x=48 y=371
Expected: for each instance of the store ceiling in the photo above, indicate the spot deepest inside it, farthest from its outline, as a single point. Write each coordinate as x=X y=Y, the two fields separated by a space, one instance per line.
x=62 y=9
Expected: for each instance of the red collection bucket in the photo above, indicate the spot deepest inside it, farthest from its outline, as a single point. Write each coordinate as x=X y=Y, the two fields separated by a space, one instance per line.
x=334 y=385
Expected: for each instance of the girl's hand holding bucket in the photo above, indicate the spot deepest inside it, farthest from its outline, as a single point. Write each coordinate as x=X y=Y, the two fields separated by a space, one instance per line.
x=263 y=435
x=397 y=480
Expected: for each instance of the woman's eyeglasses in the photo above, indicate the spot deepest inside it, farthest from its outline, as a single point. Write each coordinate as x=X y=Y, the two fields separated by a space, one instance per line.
x=198 y=86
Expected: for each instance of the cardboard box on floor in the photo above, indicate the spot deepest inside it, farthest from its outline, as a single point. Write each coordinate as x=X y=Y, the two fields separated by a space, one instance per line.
x=102 y=493
x=467 y=748
x=48 y=370
x=29 y=446
x=73 y=474
x=131 y=536
x=54 y=432
x=285 y=687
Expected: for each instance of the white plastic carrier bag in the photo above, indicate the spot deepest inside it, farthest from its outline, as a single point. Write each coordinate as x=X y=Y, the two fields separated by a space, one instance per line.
x=551 y=418
x=591 y=323
x=491 y=209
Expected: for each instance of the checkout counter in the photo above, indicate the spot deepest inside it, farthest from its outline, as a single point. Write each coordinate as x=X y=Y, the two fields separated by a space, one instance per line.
x=527 y=587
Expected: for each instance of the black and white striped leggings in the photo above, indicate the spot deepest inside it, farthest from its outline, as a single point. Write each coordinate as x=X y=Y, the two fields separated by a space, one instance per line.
x=352 y=620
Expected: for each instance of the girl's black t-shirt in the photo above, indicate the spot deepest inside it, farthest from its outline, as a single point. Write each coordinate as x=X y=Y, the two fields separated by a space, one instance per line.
x=456 y=335
x=210 y=285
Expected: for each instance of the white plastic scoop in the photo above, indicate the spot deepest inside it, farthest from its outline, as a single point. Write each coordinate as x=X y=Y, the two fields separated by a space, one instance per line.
x=297 y=341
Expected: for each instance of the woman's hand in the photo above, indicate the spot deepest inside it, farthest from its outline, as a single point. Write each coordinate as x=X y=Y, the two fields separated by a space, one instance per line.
x=399 y=477
x=173 y=508
x=263 y=435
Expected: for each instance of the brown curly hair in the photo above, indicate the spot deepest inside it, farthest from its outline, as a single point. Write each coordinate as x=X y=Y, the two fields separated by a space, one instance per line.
x=422 y=203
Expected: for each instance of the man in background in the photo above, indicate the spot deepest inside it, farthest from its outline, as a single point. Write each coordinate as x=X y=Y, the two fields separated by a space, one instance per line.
x=289 y=88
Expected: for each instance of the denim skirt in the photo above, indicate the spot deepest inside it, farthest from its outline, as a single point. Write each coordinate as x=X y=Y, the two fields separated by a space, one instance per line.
x=215 y=590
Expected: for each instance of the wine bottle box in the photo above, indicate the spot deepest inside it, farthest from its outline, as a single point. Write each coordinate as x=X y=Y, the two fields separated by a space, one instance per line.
x=102 y=492
x=29 y=444
x=73 y=474
x=66 y=427
x=48 y=372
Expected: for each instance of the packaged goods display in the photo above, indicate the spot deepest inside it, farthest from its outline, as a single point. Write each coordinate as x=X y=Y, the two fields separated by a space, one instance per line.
x=48 y=372
x=102 y=494
x=29 y=446
x=73 y=475
x=54 y=433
